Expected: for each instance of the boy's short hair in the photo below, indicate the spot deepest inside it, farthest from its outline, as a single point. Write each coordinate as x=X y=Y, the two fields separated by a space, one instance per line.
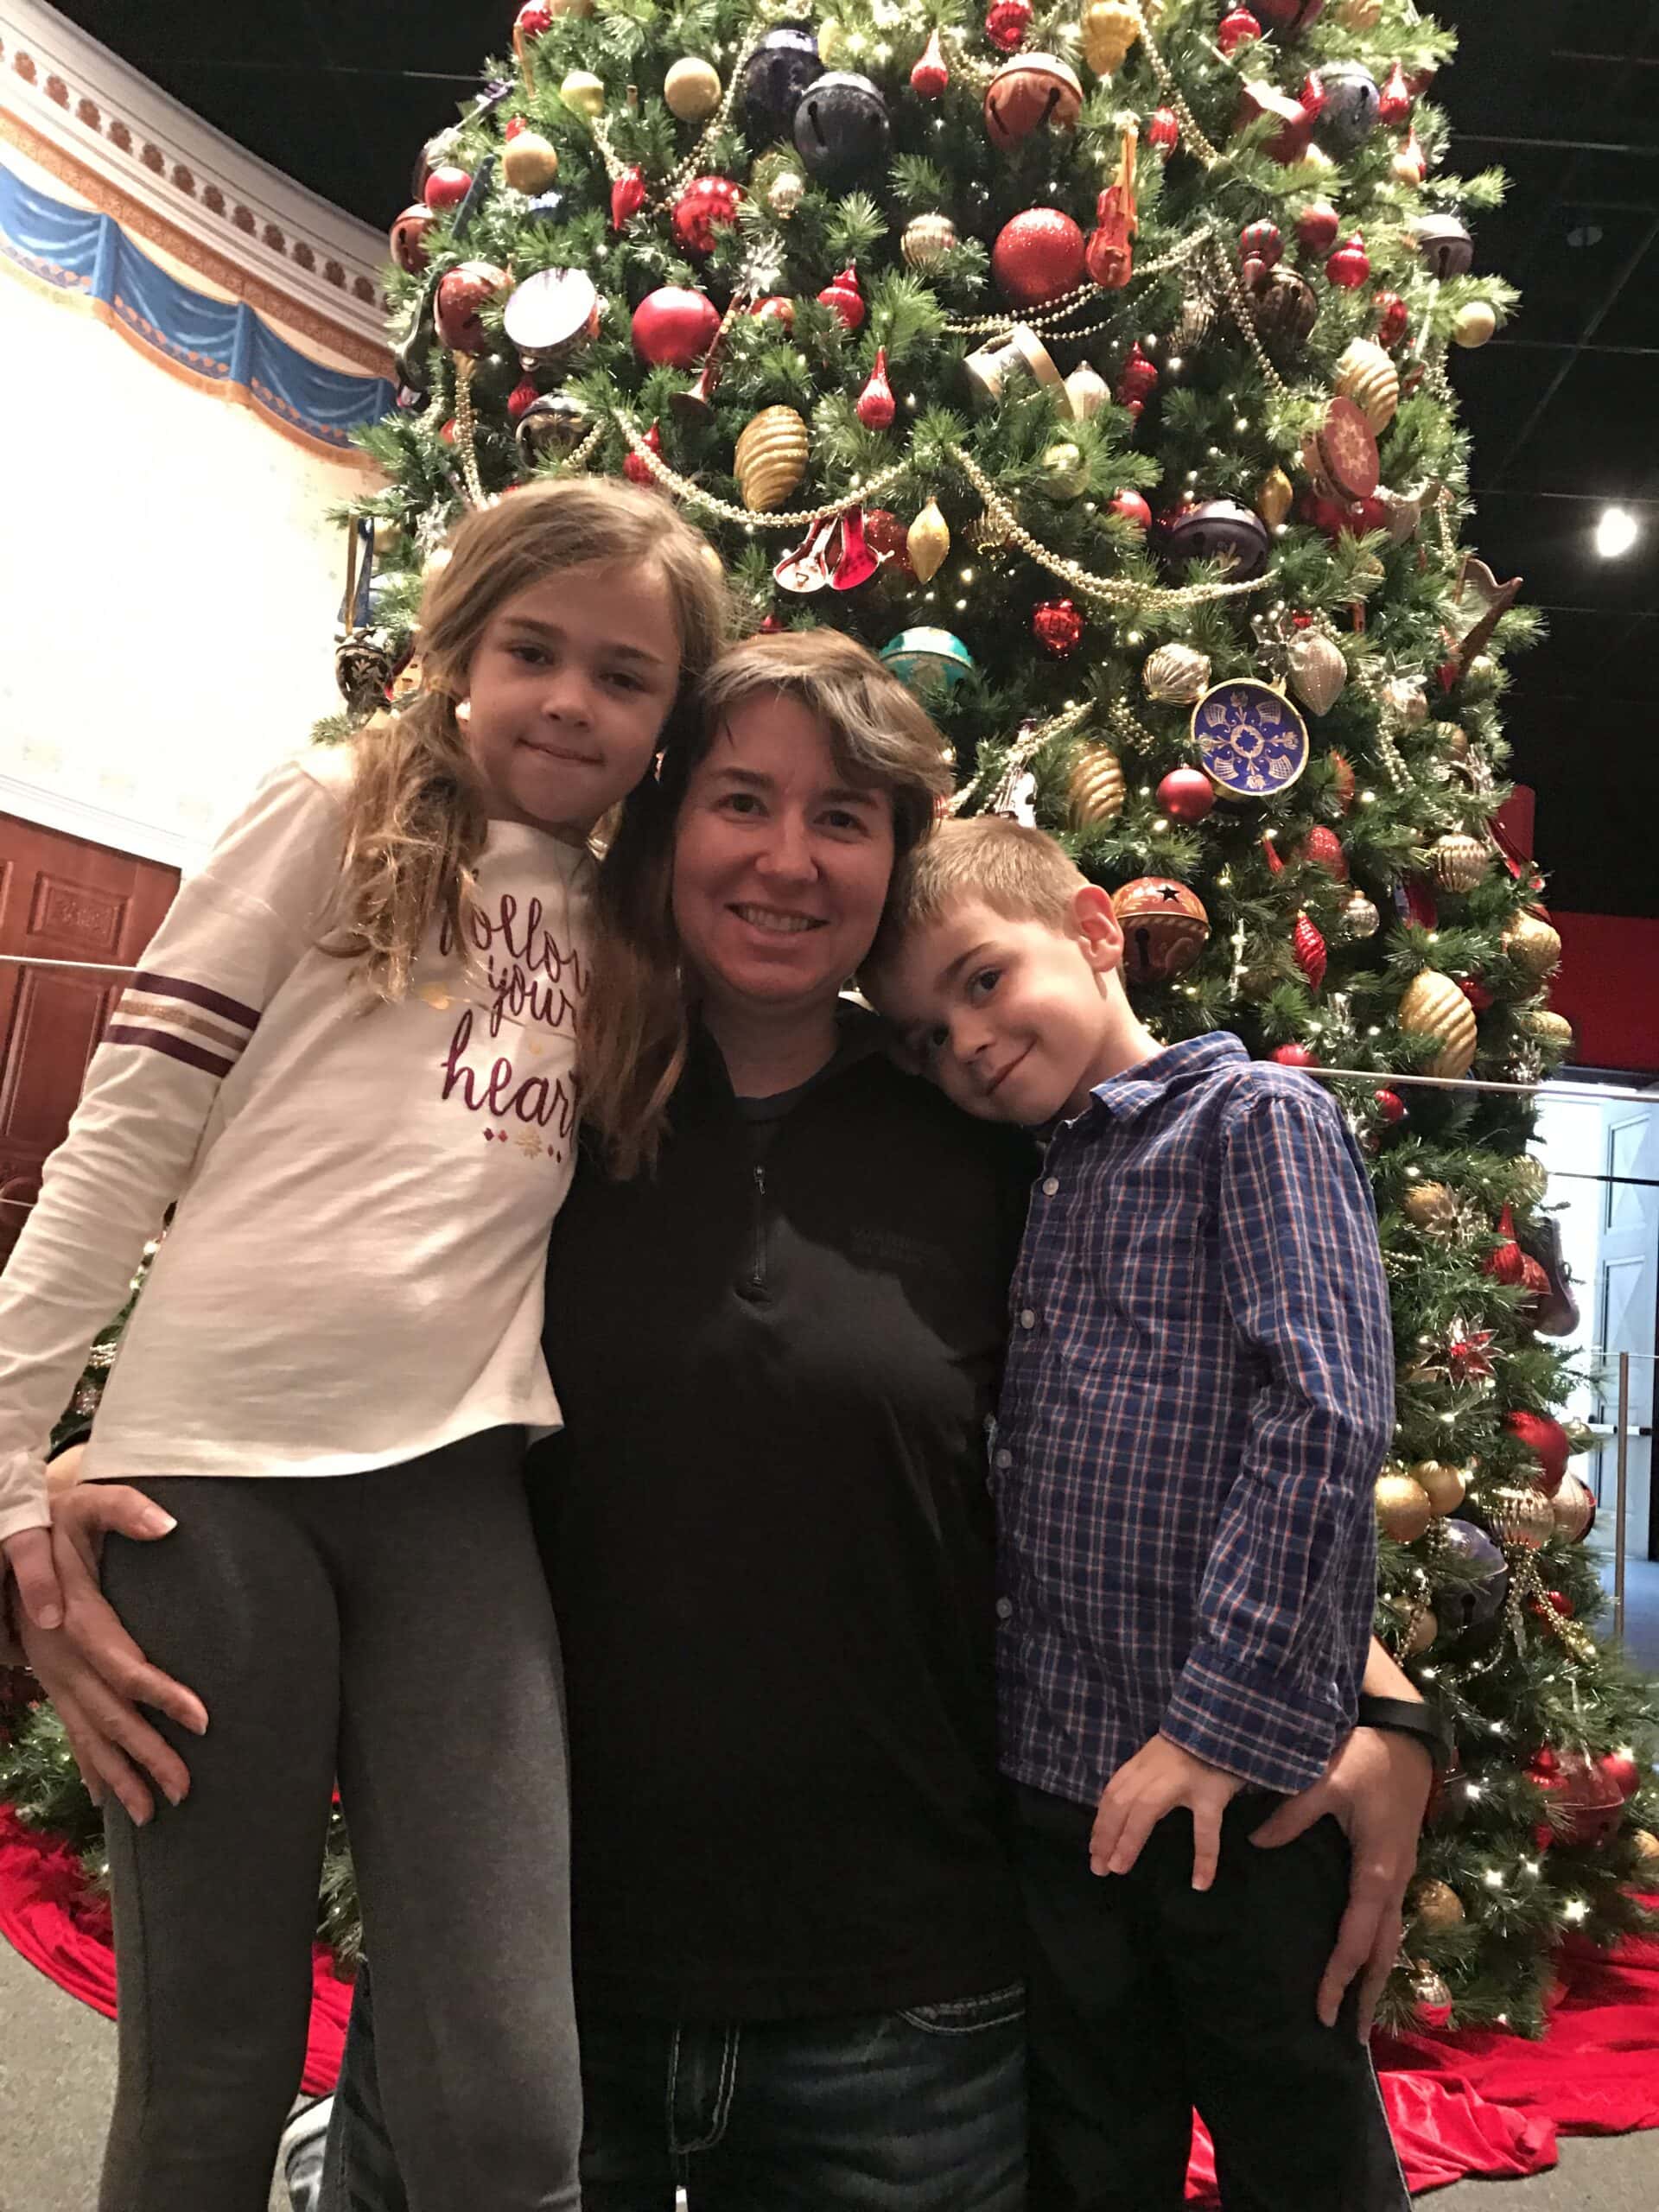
x=1018 y=873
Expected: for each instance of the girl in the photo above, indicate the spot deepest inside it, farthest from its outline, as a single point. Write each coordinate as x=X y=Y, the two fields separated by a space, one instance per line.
x=348 y=1060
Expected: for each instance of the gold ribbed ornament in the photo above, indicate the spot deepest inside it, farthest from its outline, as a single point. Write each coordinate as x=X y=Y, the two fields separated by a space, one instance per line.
x=1459 y=863
x=1522 y=1517
x=1366 y=375
x=1096 y=789
x=1551 y=1029
x=771 y=458
x=1179 y=676
x=925 y=238
x=1531 y=945
x=1434 y=1005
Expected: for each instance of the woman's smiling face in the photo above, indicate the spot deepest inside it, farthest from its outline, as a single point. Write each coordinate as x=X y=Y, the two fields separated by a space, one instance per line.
x=781 y=866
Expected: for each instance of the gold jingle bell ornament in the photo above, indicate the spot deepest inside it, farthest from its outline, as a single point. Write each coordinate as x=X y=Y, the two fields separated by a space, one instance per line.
x=1430 y=1206
x=1367 y=375
x=1096 y=789
x=1402 y=1507
x=1434 y=1006
x=1443 y=1486
x=692 y=89
x=1436 y=1904
x=1531 y=945
x=1110 y=29
x=1522 y=1517
x=1176 y=675
x=1458 y=862
x=1165 y=928
x=769 y=459
x=927 y=239
x=927 y=541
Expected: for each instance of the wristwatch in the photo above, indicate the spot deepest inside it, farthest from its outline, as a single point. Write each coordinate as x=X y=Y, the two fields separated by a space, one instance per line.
x=1404 y=1716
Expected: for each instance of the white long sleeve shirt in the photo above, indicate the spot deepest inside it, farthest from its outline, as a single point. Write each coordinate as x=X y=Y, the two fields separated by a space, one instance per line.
x=353 y=1272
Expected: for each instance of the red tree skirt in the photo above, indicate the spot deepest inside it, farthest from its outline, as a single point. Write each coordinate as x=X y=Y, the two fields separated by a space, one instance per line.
x=1464 y=2104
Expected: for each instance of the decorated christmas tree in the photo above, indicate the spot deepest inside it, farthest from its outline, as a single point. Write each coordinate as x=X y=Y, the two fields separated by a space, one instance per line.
x=1092 y=367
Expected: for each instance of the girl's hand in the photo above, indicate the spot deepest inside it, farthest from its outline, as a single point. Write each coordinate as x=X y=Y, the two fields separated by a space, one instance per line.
x=29 y=1554
x=81 y=1518
x=115 y=1747
x=1160 y=1777
x=1377 y=1787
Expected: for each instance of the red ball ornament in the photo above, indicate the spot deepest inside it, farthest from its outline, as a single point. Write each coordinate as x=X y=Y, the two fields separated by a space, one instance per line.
x=1006 y=23
x=1394 y=101
x=875 y=406
x=1057 y=627
x=931 y=74
x=448 y=433
x=445 y=188
x=1317 y=226
x=1235 y=29
x=1476 y=992
x=1546 y=1440
x=889 y=538
x=1587 y=1803
x=1560 y=1604
x=628 y=196
x=1186 y=795
x=775 y=308
x=709 y=204
x=533 y=18
x=1620 y=1768
x=1039 y=256
x=1391 y=1106
x=842 y=297
x=1349 y=265
x=634 y=468
x=675 y=327
x=1132 y=506
x=1309 y=948
x=409 y=239
x=1293 y=1056
x=522 y=395
x=1322 y=848
x=1163 y=130
x=462 y=293
x=1392 y=316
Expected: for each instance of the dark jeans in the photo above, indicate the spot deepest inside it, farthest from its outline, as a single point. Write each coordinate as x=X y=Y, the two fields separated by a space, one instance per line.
x=919 y=2111
x=1148 y=1998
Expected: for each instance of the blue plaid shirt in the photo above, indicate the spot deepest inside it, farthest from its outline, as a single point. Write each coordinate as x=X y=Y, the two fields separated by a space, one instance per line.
x=1198 y=1398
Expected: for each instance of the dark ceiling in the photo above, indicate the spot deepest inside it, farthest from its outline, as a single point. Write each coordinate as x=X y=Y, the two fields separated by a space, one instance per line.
x=1564 y=94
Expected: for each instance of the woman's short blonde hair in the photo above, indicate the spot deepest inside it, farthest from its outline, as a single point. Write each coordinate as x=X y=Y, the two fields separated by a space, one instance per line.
x=637 y=1018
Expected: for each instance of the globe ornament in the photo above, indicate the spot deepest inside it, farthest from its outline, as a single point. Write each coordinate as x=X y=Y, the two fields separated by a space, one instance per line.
x=927 y=660
x=1165 y=928
x=840 y=130
x=1251 y=742
x=1034 y=91
x=1221 y=529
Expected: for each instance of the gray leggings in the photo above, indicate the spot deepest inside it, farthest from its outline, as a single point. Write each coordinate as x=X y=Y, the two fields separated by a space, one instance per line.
x=393 y=1629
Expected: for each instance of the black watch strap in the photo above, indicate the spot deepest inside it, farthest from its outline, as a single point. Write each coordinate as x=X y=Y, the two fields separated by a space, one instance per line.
x=1402 y=1716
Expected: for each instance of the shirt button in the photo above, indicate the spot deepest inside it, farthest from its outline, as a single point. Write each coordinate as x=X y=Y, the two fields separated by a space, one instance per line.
x=1027 y=1319
x=1005 y=1609
x=1005 y=1457
x=1051 y=1184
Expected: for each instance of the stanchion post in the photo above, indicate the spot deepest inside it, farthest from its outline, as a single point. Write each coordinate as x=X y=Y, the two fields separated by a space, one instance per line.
x=1621 y=1462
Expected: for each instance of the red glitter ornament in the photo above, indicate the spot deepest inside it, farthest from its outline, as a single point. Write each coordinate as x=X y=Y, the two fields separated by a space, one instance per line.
x=1349 y=265
x=1309 y=948
x=1317 y=226
x=1133 y=507
x=522 y=395
x=1392 y=317
x=1394 y=101
x=889 y=539
x=1057 y=627
x=707 y=204
x=1163 y=130
x=1322 y=848
x=1235 y=29
x=1006 y=23
x=1038 y=258
x=634 y=468
x=628 y=196
x=1294 y=1056
x=842 y=297
x=931 y=75
x=875 y=406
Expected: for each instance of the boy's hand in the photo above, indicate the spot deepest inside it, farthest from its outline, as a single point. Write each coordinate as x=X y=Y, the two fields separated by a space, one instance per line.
x=1160 y=1777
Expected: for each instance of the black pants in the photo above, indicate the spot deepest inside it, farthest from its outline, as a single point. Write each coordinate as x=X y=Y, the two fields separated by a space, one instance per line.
x=1146 y=1998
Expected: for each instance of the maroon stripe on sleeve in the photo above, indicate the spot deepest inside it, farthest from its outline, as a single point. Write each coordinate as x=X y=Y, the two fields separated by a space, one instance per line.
x=198 y=994
x=178 y=1048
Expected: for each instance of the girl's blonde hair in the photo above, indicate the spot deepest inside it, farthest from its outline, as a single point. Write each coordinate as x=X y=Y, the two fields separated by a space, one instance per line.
x=417 y=814
x=636 y=1018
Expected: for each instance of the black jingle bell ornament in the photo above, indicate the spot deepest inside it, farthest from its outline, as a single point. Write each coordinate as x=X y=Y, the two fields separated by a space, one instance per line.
x=779 y=71
x=840 y=130
x=1223 y=531
x=1282 y=307
x=1057 y=627
x=1348 y=107
x=1034 y=91
x=551 y=427
x=1443 y=244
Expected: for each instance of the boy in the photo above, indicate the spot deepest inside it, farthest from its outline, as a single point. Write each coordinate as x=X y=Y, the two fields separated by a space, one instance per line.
x=1198 y=1399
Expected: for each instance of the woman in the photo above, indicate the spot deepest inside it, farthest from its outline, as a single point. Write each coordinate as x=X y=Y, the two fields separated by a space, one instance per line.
x=775 y=1327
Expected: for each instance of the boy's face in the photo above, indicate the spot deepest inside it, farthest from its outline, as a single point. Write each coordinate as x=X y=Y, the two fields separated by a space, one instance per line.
x=1011 y=1019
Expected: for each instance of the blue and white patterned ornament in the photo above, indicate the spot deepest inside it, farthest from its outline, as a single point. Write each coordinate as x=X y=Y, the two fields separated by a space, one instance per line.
x=929 y=660
x=1251 y=740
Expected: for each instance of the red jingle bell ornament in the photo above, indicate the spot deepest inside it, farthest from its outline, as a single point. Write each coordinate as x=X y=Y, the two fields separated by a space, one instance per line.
x=638 y=471
x=445 y=188
x=1235 y=29
x=409 y=239
x=1349 y=265
x=1007 y=22
x=931 y=74
x=709 y=204
x=842 y=297
x=1038 y=258
x=1317 y=226
x=628 y=196
x=462 y=293
x=1392 y=316
x=1057 y=627
x=1186 y=795
x=1163 y=130
x=875 y=405
x=1165 y=928
x=1133 y=507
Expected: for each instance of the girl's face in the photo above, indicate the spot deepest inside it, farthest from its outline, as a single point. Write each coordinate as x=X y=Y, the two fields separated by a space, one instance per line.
x=781 y=866
x=568 y=690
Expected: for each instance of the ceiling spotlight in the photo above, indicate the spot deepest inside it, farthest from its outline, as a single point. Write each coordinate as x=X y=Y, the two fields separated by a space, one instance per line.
x=1615 y=532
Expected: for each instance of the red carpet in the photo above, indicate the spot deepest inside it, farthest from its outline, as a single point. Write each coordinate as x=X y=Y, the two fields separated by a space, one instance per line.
x=1459 y=2105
